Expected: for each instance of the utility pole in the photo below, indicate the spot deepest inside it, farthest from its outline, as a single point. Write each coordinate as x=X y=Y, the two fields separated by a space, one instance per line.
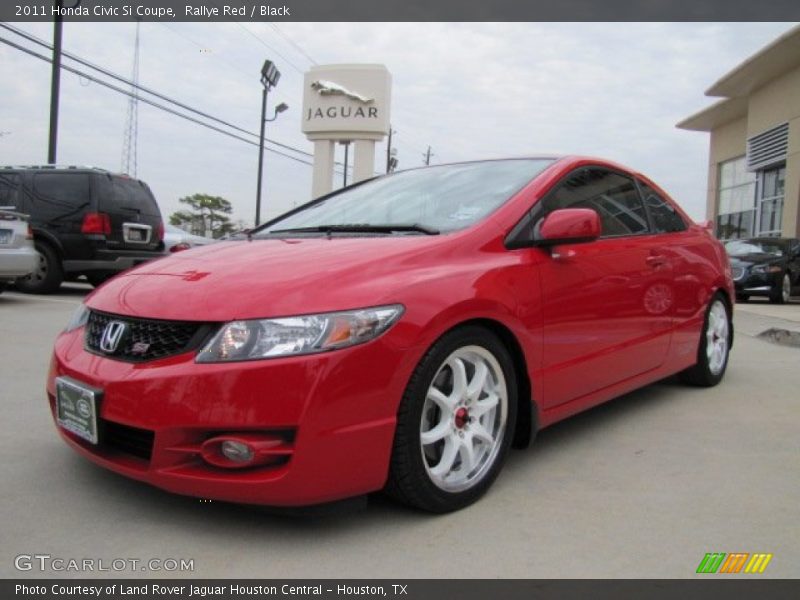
x=427 y=156
x=389 y=150
x=55 y=85
x=55 y=81
x=346 y=148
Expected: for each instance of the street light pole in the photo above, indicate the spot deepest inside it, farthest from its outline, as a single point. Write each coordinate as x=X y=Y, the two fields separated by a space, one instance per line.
x=261 y=153
x=269 y=79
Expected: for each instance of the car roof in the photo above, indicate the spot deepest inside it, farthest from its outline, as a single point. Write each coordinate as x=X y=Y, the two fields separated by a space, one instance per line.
x=577 y=159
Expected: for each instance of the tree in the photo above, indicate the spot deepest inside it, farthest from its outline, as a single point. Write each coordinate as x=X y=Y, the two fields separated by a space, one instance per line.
x=206 y=215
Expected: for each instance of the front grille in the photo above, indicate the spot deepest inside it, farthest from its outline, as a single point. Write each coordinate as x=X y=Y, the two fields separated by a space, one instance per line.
x=738 y=272
x=144 y=339
x=130 y=440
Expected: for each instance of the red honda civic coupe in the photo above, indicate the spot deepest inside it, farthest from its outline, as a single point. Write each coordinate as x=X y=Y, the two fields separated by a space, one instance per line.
x=400 y=334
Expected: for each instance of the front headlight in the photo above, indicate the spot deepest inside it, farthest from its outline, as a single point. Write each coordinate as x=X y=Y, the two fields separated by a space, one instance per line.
x=290 y=336
x=78 y=319
x=767 y=269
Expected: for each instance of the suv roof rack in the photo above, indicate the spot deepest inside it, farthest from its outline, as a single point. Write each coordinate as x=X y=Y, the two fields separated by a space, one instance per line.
x=57 y=167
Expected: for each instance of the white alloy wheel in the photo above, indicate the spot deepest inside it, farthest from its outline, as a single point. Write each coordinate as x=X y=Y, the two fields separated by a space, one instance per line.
x=717 y=337
x=463 y=419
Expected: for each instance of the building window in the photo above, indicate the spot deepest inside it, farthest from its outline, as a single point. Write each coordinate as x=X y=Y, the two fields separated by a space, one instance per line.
x=771 y=184
x=736 y=200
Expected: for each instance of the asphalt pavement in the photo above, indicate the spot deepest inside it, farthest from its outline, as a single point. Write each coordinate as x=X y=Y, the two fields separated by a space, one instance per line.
x=643 y=486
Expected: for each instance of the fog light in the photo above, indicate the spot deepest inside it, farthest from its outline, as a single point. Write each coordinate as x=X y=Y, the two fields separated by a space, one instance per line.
x=245 y=450
x=237 y=452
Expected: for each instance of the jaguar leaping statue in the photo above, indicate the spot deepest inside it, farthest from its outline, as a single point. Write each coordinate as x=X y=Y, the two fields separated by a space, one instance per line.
x=329 y=88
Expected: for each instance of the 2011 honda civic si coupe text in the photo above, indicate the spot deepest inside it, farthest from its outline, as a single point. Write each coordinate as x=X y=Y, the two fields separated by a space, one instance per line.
x=400 y=334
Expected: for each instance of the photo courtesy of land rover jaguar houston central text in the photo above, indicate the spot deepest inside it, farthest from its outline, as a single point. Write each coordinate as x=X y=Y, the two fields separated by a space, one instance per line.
x=400 y=334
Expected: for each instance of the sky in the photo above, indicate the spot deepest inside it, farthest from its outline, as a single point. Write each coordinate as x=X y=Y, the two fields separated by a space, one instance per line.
x=468 y=90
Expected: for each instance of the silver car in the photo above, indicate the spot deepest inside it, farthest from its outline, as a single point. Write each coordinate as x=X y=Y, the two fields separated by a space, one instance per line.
x=176 y=239
x=18 y=257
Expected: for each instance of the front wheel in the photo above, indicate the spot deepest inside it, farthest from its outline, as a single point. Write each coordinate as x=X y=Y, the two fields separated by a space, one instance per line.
x=782 y=292
x=455 y=422
x=714 y=347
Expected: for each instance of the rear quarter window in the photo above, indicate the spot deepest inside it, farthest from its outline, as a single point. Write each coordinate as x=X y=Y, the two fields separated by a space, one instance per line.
x=131 y=194
x=9 y=191
x=60 y=195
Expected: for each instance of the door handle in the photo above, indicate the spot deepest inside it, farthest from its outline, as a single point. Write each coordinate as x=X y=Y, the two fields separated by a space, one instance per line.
x=656 y=260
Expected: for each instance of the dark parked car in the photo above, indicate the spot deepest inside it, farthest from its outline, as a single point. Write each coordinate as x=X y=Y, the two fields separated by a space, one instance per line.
x=85 y=221
x=765 y=267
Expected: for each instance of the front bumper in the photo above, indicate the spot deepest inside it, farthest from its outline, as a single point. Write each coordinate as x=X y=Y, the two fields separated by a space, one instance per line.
x=112 y=261
x=334 y=411
x=757 y=284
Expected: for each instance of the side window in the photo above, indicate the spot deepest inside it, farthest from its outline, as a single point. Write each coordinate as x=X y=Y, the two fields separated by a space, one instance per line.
x=665 y=218
x=59 y=195
x=9 y=191
x=614 y=197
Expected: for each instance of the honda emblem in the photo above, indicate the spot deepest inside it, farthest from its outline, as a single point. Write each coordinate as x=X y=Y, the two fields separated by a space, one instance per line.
x=112 y=336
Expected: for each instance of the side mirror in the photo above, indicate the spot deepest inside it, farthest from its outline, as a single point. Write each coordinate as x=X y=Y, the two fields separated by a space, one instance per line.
x=568 y=226
x=708 y=226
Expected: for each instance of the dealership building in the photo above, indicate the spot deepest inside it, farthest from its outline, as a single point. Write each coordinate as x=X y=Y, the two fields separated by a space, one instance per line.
x=754 y=157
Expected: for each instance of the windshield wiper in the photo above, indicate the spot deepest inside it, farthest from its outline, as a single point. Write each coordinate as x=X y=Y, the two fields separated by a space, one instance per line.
x=360 y=228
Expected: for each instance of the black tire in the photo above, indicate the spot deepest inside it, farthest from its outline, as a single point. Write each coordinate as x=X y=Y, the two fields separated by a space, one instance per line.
x=742 y=298
x=703 y=373
x=410 y=481
x=782 y=290
x=98 y=278
x=48 y=275
x=3 y=286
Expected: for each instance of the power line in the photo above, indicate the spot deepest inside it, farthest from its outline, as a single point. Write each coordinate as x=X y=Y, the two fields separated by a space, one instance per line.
x=148 y=101
x=230 y=63
x=292 y=42
x=262 y=42
x=126 y=81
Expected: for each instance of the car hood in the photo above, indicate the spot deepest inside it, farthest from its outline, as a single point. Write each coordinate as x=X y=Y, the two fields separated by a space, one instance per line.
x=747 y=260
x=268 y=278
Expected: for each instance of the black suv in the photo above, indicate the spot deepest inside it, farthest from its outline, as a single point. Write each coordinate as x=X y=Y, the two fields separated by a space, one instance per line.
x=85 y=221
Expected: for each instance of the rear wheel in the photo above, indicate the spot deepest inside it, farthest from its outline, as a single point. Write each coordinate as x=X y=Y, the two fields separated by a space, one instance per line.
x=455 y=422
x=97 y=278
x=3 y=285
x=782 y=291
x=47 y=276
x=714 y=347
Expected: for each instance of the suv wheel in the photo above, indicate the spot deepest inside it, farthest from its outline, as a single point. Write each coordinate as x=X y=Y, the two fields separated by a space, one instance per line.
x=97 y=278
x=48 y=275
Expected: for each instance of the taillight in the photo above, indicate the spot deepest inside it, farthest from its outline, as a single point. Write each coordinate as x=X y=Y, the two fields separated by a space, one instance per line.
x=160 y=230
x=96 y=222
x=179 y=247
x=29 y=235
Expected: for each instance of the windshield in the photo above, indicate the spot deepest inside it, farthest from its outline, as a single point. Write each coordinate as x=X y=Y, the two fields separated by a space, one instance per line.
x=431 y=200
x=745 y=247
